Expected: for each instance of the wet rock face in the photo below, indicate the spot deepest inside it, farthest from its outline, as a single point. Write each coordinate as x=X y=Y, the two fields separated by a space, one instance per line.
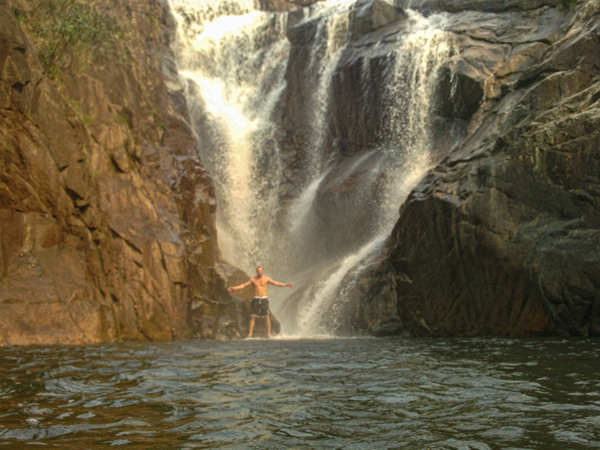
x=355 y=123
x=502 y=236
x=106 y=214
x=428 y=6
x=285 y=5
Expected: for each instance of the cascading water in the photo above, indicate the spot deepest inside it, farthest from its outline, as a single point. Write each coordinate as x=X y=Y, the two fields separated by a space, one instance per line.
x=330 y=40
x=233 y=61
x=411 y=84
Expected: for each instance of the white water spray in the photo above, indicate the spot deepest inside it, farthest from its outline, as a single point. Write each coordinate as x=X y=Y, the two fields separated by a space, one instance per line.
x=331 y=38
x=412 y=84
x=232 y=60
x=316 y=300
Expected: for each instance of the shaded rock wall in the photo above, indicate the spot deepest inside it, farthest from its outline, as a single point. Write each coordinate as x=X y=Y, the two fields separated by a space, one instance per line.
x=429 y=6
x=106 y=213
x=502 y=236
x=354 y=123
x=284 y=5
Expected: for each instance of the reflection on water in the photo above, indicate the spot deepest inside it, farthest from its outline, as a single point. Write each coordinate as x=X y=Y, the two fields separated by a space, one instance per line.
x=319 y=393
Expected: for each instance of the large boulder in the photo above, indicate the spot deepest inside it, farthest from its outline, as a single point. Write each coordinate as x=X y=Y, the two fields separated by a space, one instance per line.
x=285 y=5
x=502 y=236
x=370 y=15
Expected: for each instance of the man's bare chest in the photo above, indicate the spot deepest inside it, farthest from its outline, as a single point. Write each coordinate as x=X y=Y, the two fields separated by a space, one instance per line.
x=262 y=282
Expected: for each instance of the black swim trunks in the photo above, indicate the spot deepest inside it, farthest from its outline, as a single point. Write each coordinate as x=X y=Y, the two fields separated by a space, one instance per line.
x=260 y=307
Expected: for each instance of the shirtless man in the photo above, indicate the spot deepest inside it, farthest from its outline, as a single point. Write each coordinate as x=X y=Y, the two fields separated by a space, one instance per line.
x=260 y=303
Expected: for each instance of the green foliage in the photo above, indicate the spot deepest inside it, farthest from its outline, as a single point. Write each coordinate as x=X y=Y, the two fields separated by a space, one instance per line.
x=20 y=15
x=567 y=4
x=63 y=25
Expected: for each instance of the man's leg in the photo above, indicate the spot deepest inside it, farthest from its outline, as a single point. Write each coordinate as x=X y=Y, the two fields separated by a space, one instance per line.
x=252 y=320
x=268 y=319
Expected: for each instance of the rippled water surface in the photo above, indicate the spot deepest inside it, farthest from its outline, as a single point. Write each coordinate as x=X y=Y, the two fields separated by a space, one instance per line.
x=317 y=393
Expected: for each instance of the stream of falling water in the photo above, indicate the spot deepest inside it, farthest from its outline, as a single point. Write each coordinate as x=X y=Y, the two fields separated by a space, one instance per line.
x=411 y=84
x=233 y=60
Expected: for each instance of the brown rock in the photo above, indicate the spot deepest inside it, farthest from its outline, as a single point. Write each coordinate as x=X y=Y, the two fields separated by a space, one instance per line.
x=106 y=234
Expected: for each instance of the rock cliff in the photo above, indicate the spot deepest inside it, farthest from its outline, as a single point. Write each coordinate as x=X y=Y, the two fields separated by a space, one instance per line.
x=502 y=236
x=284 y=5
x=106 y=213
x=107 y=225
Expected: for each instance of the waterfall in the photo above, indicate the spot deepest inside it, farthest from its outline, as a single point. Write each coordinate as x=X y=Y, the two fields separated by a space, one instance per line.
x=411 y=84
x=232 y=60
x=331 y=37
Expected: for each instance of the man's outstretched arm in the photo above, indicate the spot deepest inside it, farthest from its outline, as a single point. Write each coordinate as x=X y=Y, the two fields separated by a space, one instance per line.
x=277 y=283
x=241 y=286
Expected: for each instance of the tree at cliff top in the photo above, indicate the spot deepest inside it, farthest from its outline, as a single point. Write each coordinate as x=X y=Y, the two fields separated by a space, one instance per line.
x=62 y=26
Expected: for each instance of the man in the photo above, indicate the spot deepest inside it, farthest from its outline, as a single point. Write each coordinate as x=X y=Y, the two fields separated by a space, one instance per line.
x=260 y=303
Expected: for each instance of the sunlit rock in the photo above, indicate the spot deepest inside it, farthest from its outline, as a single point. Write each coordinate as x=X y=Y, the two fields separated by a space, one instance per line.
x=107 y=216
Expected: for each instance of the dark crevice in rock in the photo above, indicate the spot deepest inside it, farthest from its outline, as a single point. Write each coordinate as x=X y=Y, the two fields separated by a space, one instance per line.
x=146 y=335
x=18 y=86
x=458 y=96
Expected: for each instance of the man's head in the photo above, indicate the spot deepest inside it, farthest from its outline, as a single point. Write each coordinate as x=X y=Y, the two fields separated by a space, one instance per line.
x=259 y=271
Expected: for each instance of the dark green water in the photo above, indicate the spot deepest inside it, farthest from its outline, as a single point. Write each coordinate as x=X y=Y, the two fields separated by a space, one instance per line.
x=322 y=394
